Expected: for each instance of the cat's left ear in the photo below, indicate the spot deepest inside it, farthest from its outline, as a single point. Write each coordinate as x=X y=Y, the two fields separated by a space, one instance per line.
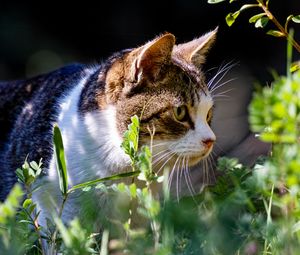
x=152 y=56
x=196 y=50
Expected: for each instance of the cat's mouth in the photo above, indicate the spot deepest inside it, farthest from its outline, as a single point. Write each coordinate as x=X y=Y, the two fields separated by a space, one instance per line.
x=196 y=158
x=165 y=156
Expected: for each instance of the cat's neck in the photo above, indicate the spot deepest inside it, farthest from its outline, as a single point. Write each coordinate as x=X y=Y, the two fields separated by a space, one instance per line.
x=91 y=140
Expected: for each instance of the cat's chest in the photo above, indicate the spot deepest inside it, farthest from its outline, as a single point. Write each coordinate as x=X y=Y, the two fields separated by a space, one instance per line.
x=91 y=140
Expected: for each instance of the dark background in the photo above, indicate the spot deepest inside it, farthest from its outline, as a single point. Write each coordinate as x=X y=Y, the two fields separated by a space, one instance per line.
x=40 y=36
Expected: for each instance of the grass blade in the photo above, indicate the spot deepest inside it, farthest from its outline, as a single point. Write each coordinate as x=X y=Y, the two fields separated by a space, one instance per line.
x=109 y=178
x=60 y=160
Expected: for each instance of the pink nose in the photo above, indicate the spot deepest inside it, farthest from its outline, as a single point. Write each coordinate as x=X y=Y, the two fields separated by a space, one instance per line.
x=208 y=142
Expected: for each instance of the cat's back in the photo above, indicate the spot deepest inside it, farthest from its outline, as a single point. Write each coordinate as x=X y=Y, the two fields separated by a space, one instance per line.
x=27 y=110
x=14 y=95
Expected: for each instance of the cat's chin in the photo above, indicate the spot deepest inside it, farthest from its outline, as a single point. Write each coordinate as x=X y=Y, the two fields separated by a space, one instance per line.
x=195 y=159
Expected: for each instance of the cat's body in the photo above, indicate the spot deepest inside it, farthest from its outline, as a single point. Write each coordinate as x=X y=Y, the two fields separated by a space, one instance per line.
x=160 y=82
x=25 y=107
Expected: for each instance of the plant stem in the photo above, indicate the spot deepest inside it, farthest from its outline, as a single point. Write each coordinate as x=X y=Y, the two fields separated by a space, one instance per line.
x=278 y=25
x=53 y=238
x=36 y=229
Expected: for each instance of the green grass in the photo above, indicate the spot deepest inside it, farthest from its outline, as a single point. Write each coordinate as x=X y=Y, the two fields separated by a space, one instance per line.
x=248 y=211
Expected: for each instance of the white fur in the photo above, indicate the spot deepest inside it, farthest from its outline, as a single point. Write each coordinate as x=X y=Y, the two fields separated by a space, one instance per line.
x=92 y=149
x=192 y=143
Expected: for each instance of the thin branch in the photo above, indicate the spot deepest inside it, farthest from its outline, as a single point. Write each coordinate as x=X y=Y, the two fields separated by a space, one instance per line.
x=278 y=25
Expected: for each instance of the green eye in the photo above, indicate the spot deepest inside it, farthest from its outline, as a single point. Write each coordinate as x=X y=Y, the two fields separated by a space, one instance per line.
x=180 y=112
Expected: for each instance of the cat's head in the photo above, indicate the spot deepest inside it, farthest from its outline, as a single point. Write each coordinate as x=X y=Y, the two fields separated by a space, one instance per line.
x=163 y=84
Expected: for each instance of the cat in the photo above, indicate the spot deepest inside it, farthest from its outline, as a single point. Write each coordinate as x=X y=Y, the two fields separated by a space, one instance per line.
x=159 y=81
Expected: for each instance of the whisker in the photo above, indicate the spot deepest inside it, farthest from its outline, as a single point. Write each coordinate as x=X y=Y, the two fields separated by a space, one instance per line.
x=216 y=75
x=222 y=84
x=212 y=165
x=223 y=73
x=219 y=147
x=189 y=180
x=171 y=156
x=220 y=96
x=159 y=144
x=177 y=180
x=204 y=172
x=181 y=172
x=211 y=69
x=172 y=173
x=207 y=171
x=222 y=70
x=160 y=152
x=222 y=92
x=161 y=157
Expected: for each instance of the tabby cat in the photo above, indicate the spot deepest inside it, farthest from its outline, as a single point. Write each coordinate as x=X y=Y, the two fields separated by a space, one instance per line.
x=159 y=81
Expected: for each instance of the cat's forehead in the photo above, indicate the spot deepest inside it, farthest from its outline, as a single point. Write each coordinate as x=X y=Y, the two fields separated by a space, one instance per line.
x=185 y=83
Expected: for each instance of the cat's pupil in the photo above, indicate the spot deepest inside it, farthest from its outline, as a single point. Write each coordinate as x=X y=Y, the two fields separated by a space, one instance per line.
x=181 y=113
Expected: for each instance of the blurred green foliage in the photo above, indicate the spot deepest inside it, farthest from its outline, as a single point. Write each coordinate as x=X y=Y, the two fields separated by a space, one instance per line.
x=248 y=211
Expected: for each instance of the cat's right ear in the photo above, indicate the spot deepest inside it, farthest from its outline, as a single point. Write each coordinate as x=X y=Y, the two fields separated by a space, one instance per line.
x=196 y=50
x=151 y=57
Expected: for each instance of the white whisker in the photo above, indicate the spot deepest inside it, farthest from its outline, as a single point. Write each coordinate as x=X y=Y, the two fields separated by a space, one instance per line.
x=207 y=171
x=181 y=172
x=161 y=157
x=160 y=152
x=219 y=147
x=222 y=92
x=204 y=173
x=159 y=144
x=188 y=179
x=217 y=86
x=212 y=166
x=172 y=173
x=177 y=181
x=171 y=156
x=223 y=70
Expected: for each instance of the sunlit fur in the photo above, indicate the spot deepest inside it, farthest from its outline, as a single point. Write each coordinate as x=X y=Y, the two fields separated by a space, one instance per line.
x=150 y=82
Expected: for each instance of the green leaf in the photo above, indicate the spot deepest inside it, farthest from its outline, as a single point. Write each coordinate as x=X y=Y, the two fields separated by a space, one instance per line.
x=295 y=67
x=296 y=19
x=20 y=175
x=8 y=209
x=248 y=6
x=275 y=33
x=132 y=189
x=131 y=138
x=215 y=1
x=231 y=17
x=60 y=160
x=27 y=203
x=34 y=165
x=261 y=22
x=26 y=222
x=109 y=178
x=254 y=18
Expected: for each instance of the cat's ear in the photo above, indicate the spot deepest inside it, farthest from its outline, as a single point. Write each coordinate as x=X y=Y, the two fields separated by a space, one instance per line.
x=196 y=50
x=152 y=56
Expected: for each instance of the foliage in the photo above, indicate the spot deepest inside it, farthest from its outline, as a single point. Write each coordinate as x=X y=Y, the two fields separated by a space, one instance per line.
x=263 y=18
x=248 y=211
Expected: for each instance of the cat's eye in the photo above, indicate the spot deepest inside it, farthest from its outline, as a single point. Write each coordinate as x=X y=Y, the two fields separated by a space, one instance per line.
x=209 y=116
x=180 y=112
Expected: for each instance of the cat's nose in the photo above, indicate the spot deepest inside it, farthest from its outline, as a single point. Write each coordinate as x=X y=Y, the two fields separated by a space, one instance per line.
x=208 y=142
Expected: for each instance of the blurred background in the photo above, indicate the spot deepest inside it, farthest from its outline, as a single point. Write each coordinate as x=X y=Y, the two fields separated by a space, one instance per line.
x=39 y=36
